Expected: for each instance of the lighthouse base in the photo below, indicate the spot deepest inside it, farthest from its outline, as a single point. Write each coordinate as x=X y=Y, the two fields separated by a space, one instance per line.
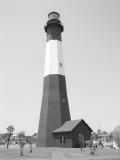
x=54 y=109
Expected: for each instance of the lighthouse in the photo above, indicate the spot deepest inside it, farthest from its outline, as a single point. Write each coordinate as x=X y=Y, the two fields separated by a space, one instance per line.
x=54 y=107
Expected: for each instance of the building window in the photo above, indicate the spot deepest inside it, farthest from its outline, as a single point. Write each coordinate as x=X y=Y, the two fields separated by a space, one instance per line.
x=62 y=140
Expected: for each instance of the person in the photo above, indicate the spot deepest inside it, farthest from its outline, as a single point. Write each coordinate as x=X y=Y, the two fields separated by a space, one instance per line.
x=81 y=141
x=100 y=143
x=22 y=143
x=92 y=145
x=81 y=145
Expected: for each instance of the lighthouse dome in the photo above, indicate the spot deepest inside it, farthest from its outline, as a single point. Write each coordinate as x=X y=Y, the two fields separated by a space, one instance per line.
x=53 y=15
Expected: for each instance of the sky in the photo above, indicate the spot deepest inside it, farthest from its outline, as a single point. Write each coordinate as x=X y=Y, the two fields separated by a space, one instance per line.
x=91 y=49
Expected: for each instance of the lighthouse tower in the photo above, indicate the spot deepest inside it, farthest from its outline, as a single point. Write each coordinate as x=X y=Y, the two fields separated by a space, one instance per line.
x=54 y=107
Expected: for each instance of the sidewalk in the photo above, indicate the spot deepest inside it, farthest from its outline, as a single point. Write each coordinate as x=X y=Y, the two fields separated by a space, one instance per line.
x=58 y=155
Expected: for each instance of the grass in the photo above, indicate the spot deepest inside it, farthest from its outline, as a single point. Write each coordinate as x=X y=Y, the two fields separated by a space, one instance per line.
x=13 y=153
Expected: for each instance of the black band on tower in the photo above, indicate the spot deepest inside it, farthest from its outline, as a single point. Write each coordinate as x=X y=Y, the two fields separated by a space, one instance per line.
x=54 y=108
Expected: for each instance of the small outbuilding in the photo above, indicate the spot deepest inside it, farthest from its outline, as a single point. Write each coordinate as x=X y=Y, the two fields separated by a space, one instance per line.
x=69 y=133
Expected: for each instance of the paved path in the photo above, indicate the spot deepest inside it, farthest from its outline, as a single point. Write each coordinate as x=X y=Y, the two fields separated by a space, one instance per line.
x=13 y=153
x=58 y=155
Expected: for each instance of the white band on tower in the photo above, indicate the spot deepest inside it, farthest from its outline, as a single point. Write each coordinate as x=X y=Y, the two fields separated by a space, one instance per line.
x=53 y=58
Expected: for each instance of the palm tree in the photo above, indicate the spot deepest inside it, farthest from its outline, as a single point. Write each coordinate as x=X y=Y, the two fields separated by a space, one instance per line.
x=10 y=130
x=21 y=138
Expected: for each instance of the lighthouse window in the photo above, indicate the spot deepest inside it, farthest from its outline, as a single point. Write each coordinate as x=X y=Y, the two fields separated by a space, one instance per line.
x=63 y=100
x=60 y=64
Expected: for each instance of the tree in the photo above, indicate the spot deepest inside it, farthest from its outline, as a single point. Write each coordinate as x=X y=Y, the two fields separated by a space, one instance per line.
x=21 y=141
x=99 y=132
x=95 y=136
x=105 y=133
x=116 y=137
x=35 y=135
x=111 y=136
x=10 y=130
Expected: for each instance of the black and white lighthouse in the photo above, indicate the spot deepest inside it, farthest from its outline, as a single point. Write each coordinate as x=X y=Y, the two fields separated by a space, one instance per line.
x=54 y=108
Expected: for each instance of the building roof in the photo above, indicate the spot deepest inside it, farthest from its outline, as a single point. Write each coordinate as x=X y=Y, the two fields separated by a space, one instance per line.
x=67 y=126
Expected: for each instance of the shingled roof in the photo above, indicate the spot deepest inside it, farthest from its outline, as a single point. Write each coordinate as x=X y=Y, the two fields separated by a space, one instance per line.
x=68 y=126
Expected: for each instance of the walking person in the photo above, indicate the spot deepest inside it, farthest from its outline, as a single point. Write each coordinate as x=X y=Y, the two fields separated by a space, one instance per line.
x=81 y=141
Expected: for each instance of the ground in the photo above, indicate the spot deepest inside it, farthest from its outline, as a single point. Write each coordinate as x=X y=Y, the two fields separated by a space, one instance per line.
x=13 y=153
